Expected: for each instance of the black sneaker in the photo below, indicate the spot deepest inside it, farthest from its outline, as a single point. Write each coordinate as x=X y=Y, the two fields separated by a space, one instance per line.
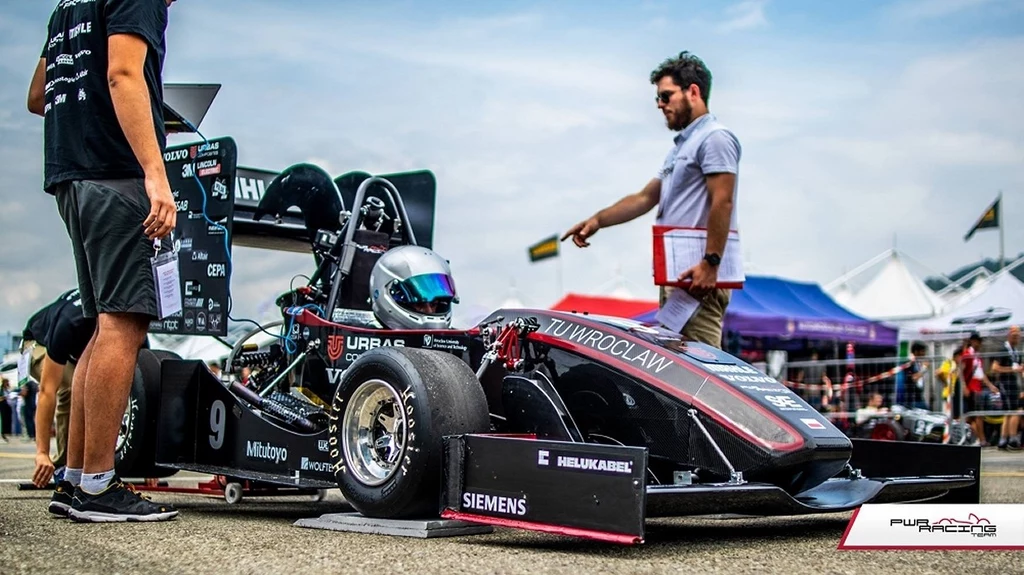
x=117 y=503
x=60 y=501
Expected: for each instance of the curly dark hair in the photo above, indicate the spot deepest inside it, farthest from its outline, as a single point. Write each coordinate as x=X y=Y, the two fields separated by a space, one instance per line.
x=685 y=69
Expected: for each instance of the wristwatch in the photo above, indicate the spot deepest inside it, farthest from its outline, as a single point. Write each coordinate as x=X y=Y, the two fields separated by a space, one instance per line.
x=713 y=259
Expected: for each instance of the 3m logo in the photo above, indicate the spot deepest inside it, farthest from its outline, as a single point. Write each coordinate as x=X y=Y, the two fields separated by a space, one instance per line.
x=335 y=346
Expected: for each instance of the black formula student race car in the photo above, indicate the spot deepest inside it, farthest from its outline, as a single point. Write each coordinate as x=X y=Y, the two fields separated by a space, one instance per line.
x=533 y=419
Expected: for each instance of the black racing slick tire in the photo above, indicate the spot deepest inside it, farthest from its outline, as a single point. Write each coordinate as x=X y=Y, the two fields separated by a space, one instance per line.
x=390 y=416
x=135 y=451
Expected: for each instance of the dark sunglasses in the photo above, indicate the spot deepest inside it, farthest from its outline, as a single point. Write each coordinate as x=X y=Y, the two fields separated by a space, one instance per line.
x=664 y=97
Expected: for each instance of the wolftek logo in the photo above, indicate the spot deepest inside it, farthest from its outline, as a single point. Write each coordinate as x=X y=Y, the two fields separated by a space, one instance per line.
x=494 y=503
x=306 y=464
x=976 y=526
x=259 y=450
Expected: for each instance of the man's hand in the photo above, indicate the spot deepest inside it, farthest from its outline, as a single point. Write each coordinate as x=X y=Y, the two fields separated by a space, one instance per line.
x=44 y=470
x=163 y=213
x=582 y=231
x=704 y=277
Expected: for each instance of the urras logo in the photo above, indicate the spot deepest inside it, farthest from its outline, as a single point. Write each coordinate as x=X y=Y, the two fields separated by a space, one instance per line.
x=335 y=346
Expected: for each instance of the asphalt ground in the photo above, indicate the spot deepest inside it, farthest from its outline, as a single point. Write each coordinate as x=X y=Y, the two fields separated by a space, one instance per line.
x=258 y=536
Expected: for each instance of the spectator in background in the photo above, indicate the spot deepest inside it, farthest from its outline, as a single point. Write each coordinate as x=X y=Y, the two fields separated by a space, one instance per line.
x=29 y=391
x=952 y=390
x=978 y=385
x=913 y=392
x=6 y=413
x=814 y=375
x=1006 y=369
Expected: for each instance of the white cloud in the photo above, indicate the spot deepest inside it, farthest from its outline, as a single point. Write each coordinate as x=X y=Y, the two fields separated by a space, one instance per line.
x=746 y=15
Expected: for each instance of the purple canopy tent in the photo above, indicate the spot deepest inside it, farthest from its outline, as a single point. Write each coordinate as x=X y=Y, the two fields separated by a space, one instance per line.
x=769 y=307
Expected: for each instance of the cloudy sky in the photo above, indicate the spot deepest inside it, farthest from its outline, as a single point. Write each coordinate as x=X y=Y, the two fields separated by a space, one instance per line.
x=863 y=123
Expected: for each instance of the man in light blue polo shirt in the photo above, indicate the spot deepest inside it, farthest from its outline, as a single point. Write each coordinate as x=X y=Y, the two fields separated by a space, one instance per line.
x=696 y=187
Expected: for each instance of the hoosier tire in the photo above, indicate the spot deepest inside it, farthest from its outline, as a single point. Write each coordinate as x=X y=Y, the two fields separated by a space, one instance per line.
x=390 y=415
x=135 y=450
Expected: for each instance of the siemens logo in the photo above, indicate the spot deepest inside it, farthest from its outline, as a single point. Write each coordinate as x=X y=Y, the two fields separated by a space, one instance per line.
x=494 y=503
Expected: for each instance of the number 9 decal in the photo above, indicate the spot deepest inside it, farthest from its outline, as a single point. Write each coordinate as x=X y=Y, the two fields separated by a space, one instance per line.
x=217 y=420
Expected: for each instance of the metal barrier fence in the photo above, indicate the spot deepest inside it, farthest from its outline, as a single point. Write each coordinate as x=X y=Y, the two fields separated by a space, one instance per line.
x=857 y=394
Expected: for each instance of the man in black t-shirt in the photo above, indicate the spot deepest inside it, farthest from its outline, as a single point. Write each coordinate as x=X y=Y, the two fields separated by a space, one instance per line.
x=1006 y=369
x=98 y=87
x=55 y=338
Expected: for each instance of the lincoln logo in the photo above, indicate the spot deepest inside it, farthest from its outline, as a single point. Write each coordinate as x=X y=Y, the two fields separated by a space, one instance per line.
x=335 y=346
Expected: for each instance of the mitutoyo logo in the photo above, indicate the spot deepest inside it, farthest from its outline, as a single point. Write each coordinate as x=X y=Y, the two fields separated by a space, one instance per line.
x=260 y=450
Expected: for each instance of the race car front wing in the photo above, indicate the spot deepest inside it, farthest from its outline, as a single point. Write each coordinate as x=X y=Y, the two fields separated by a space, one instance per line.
x=600 y=491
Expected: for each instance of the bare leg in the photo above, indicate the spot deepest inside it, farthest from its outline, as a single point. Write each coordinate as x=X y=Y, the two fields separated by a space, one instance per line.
x=76 y=427
x=111 y=368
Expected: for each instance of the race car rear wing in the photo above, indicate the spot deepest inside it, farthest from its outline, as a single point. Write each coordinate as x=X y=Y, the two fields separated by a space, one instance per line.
x=418 y=190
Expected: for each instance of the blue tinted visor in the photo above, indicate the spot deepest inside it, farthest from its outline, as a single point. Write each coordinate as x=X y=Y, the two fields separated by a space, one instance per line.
x=424 y=288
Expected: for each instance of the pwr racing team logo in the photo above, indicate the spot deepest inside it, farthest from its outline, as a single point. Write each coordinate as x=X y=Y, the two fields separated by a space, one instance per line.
x=976 y=526
x=936 y=526
x=335 y=347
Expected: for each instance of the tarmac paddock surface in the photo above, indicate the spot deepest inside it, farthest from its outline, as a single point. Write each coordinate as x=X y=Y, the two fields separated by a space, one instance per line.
x=257 y=535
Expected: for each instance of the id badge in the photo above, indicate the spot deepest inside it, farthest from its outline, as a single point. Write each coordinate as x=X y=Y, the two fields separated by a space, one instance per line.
x=168 y=284
x=24 y=361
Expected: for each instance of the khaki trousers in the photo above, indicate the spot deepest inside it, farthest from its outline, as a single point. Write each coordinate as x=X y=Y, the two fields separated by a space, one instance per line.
x=705 y=325
x=62 y=412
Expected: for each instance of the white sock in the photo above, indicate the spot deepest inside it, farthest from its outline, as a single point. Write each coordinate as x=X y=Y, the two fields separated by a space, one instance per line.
x=93 y=483
x=73 y=476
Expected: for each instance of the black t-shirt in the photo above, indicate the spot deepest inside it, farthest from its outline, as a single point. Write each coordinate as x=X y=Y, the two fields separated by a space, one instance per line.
x=1006 y=357
x=83 y=139
x=62 y=328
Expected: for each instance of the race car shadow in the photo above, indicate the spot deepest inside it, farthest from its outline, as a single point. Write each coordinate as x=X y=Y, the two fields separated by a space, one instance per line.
x=278 y=508
x=672 y=535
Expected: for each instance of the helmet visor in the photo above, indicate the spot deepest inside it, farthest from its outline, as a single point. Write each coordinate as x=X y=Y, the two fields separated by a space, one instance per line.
x=425 y=288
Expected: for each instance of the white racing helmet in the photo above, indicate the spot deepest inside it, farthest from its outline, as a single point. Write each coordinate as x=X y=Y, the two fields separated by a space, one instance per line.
x=411 y=287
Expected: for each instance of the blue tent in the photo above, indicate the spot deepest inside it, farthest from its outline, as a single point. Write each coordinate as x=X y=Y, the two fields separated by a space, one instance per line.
x=777 y=308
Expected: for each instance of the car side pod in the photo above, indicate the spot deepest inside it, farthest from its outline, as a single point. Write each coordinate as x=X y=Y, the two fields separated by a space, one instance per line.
x=600 y=492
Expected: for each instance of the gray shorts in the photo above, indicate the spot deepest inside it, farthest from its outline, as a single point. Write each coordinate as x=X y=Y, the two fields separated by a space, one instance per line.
x=112 y=254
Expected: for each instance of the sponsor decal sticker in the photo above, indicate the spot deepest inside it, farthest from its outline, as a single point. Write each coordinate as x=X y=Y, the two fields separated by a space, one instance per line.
x=585 y=463
x=812 y=423
x=646 y=359
x=494 y=504
x=936 y=526
x=335 y=346
x=265 y=451
x=307 y=464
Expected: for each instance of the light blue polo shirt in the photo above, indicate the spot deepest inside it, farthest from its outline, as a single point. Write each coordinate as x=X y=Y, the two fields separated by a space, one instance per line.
x=704 y=147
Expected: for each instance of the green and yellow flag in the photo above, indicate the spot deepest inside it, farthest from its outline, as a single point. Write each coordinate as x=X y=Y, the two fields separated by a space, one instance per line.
x=547 y=248
x=990 y=219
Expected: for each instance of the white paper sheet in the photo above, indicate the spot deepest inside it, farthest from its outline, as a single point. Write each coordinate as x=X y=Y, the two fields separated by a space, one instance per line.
x=24 y=365
x=678 y=309
x=685 y=248
x=168 y=287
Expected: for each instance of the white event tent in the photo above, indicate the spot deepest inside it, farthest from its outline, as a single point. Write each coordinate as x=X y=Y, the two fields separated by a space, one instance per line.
x=990 y=312
x=894 y=294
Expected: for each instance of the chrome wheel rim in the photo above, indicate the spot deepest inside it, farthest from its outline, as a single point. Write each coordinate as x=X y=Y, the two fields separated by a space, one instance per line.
x=374 y=432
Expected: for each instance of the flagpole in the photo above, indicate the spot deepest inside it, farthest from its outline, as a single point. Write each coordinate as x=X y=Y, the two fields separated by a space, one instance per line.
x=558 y=270
x=1002 y=238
